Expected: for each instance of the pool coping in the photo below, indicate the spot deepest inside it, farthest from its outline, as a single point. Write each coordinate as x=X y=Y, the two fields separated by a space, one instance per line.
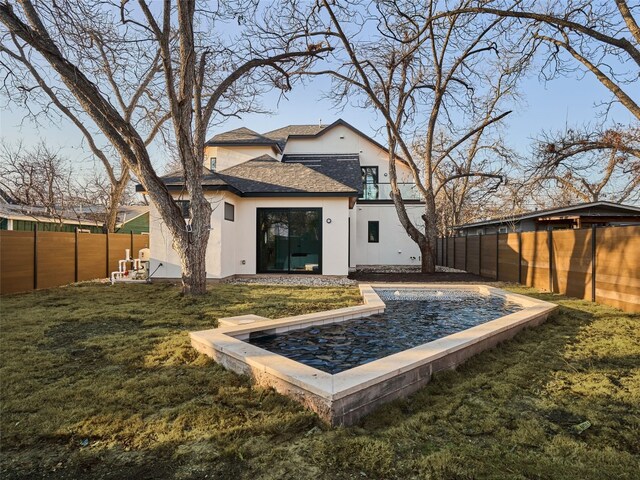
x=344 y=397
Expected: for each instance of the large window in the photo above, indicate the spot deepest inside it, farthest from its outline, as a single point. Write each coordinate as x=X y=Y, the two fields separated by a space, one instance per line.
x=369 y=183
x=289 y=240
x=373 y=234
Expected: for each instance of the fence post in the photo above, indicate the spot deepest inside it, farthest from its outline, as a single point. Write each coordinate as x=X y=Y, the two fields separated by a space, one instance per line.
x=593 y=262
x=550 y=245
x=35 y=256
x=520 y=257
x=76 y=255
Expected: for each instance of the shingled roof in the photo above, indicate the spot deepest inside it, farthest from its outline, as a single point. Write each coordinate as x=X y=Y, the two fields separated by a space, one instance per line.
x=281 y=135
x=344 y=168
x=241 y=136
x=266 y=176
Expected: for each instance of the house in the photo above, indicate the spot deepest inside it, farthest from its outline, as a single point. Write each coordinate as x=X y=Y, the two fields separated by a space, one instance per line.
x=584 y=215
x=298 y=199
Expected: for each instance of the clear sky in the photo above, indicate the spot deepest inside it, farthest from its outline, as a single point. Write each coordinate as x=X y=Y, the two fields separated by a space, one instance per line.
x=552 y=105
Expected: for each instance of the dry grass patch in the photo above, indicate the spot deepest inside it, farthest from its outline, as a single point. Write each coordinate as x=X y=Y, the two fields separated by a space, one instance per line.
x=101 y=381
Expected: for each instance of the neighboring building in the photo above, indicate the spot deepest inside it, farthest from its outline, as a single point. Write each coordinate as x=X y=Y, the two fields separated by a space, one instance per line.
x=25 y=218
x=299 y=199
x=584 y=215
x=131 y=219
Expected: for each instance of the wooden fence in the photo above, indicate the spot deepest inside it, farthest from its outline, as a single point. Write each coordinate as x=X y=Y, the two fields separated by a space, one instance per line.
x=598 y=264
x=33 y=260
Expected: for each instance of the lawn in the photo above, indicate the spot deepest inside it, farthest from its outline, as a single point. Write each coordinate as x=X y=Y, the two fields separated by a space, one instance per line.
x=100 y=381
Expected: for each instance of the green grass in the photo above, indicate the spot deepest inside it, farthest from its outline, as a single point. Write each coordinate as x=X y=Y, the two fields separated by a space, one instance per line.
x=100 y=382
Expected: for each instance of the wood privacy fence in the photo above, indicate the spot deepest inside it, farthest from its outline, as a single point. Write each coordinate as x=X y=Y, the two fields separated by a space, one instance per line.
x=598 y=264
x=33 y=260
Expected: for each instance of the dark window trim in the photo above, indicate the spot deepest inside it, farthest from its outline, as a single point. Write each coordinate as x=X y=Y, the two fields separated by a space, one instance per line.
x=229 y=213
x=280 y=209
x=377 y=231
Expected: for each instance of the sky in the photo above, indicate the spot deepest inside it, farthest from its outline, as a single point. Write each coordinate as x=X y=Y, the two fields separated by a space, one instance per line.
x=545 y=106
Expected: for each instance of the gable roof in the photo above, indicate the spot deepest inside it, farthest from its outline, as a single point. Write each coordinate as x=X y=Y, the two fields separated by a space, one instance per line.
x=241 y=136
x=621 y=210
x=265 y=176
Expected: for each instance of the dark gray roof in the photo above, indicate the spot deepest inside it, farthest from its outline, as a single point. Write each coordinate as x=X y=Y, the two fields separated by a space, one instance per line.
x=281 y=135
x=587 y=209
x=343 y=168
x=241 y=136
x=266 y=176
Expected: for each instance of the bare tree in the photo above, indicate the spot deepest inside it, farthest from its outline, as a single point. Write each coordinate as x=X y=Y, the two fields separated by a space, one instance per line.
x=590 y=164
x=602 y=36
x=37 y=177
x=202 y=73
x=440 y=83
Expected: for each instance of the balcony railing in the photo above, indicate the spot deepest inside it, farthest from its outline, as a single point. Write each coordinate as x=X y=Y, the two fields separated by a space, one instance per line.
x=382 y=191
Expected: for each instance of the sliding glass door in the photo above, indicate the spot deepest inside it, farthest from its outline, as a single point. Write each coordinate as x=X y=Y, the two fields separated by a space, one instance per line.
x=289 y=240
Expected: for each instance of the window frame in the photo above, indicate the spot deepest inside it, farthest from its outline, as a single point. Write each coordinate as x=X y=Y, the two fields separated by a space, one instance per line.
x=215 y=163
x=376 y=237
x=227 y=210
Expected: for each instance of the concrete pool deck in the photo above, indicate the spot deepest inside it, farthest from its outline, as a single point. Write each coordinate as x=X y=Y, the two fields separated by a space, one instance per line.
x=343 y=398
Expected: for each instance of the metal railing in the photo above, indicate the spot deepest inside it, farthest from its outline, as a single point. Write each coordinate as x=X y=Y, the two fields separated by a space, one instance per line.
x=382 y=191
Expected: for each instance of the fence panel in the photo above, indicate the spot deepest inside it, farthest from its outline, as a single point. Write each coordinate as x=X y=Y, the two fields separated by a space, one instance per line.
x=139 y=242
x=618 y=267
x=92 y=256
x=489 y=256
x=571 y=272
x=450 y=245
x=535 y=259
x=57 y=257
x=118 y=243
x=473 y=254
x=16 y=260
x=56 y=263
x=508 y=257
x=461 y=253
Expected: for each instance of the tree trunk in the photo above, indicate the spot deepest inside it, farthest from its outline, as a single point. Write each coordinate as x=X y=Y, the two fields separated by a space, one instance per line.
x=115 y=199
x=429 y=241
x=193 y=260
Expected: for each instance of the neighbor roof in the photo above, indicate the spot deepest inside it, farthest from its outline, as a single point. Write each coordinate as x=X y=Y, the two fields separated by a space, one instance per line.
x=266 y=176
x=553 y=211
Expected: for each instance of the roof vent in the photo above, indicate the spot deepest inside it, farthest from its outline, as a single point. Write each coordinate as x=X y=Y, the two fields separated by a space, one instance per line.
x=320 y=123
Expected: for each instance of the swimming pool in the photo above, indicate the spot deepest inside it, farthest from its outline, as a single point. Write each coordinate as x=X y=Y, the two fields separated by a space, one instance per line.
x=354 y=378
x=412 y=317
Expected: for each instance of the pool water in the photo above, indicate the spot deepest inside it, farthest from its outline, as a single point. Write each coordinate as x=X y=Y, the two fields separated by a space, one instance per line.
x=412 y=317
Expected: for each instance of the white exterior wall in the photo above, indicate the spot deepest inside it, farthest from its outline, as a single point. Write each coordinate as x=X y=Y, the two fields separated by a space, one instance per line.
x=231 y=243
x=395 y=246
x=341 y=139
x=230 y=157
